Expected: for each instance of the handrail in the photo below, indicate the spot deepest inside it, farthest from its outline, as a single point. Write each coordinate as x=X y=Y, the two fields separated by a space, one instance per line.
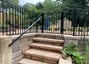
x=24 y=32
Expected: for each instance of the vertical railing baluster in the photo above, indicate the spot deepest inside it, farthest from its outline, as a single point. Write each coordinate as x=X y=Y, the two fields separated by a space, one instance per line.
x=24 y=19
x=2 y=17
x=13 y=29
x=20 y=22
x=15 y=19
x=57 y=22
x=74 y=23
x=42 y=22
x=9 y=19
x=11 y=12
x=62 y=23
x=36 y=27
x=6 y=19
x=12 y=20
x=87 y=27
x=45 y=16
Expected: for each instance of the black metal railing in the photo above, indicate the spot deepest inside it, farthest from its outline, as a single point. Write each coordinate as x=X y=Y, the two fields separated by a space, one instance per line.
x=70 y=23
x=13 y=18
x=77 y=23
x=52 y=22
x=30 y=27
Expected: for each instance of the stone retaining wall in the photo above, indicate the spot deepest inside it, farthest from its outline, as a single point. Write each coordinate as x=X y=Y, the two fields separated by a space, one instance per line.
x=75 y=39
x=20 y=46
x=79 y=41
x=11 y=55
x=5 y=51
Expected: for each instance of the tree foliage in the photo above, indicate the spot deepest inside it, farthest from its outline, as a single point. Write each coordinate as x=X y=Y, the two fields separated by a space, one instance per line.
x=73 y=8
x=14 y=1
x=73 y=3
x=49 y=5
x=34 y=10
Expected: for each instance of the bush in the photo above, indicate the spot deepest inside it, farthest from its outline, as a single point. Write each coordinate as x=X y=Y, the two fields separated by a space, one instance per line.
x=87 y=55
x=71 y=50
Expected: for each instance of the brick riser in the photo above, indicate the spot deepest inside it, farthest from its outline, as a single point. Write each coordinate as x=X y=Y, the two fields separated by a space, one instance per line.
x=49 y=61
x=57 y=51
x=49 y=41
x=43 y=56
x=45 y=47
x=51 y=36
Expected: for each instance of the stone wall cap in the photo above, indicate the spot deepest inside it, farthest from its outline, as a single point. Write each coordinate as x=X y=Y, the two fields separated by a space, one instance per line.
x=71 y=37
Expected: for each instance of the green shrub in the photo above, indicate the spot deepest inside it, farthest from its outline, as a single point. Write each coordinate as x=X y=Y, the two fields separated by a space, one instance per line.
x=71 y=50
x=87 y=55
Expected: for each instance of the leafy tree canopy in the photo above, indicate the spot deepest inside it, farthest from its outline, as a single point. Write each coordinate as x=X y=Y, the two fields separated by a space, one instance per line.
x=74 y=3
x=14 y=1
x=49 y=5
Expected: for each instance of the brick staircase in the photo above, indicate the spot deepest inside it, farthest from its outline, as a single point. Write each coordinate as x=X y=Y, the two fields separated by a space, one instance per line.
x=44 y=49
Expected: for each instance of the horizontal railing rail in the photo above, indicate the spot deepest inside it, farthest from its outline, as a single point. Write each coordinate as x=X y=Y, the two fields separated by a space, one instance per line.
x=24 y=32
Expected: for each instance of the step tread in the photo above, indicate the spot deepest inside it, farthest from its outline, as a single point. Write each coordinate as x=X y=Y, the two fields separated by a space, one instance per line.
x=67 y=61
x=30 y=61
x=39 y=45
x=47 y=39
x=43 y=54
x=51 y=34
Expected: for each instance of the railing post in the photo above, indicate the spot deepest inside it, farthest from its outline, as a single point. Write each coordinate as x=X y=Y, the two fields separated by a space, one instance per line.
x=42 y=23
x=62 y=23
x=74 y=22
x=36 y=27
x=37 y=24
x=2 y=3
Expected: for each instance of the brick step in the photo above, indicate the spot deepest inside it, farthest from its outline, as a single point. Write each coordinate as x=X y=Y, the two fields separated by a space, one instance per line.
x=30 y=61
x=46 y=47
x=49 y=41
x=44 y=56
x=51 y=36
